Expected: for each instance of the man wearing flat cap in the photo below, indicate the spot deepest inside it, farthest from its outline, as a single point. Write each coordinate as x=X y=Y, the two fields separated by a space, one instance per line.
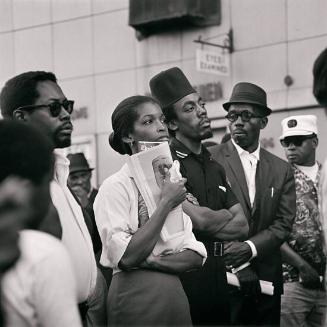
x=304 y=298
x=264 y=185
x=215 y=212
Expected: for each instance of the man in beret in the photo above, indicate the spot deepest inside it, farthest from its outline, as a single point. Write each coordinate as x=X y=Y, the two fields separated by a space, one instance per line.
x=215 y=212
x=304 y=298
x=320 y=93
x=264 y=185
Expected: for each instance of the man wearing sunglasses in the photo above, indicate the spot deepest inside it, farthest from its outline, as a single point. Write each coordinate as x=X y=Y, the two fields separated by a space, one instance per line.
x=304 y=298
x=35 y=98
x=264 y=185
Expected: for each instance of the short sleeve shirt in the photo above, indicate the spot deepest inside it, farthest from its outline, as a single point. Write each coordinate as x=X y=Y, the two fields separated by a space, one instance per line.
x=206 y=179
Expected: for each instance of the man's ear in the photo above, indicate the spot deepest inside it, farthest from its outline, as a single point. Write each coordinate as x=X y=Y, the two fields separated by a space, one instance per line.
x=172 y=125
x=263 y=122
x=20 y=115
x=315 y=142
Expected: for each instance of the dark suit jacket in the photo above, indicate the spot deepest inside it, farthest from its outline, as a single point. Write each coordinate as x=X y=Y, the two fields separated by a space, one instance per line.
x=272 y=215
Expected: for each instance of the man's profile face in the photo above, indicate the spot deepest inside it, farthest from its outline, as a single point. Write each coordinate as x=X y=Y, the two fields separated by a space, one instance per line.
x=58 y=128
x=192 y=120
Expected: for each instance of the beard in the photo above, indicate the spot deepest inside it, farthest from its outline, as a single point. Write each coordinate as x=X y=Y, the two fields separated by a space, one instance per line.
x=207 y=134
x=62 y=141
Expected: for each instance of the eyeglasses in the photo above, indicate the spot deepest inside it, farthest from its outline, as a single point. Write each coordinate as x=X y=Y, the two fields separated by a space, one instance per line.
x=54 y=107
x=295 y=140
x=245 y=115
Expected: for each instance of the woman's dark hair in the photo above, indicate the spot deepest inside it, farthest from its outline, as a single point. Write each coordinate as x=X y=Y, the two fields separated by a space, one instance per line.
x=320 y=78
x=123 y=119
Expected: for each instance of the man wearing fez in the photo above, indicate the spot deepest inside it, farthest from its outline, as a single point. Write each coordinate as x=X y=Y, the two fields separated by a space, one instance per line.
x=215 y=212
x=304 y=298
x=264 y=185
x=35 y=98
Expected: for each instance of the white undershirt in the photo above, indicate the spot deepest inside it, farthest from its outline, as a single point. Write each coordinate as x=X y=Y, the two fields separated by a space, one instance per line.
x=310 y=171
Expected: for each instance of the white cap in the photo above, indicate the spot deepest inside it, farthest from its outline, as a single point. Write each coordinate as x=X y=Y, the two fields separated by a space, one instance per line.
x=299 y=125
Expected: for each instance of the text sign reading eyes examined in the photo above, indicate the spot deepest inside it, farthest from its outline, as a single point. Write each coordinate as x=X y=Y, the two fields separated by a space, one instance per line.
x=212 y=62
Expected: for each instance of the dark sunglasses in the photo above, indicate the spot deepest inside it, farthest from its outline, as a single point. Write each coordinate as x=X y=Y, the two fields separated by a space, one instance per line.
x=245 y=115
x=295 y=140
x=54 y=107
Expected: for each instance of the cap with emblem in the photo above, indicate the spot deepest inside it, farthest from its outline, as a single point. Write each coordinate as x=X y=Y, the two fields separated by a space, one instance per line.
x=299 y=125
x=169 y=86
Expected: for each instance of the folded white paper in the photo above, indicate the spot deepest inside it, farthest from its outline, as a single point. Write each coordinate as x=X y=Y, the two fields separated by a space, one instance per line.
x=148 y=169
x=266 y=287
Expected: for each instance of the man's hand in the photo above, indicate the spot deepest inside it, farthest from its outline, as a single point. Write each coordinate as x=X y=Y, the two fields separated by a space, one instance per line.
x=309 y=278
x=249 y=282
x=236 y=253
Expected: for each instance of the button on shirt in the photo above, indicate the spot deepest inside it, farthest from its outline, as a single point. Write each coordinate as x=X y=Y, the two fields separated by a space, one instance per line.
x=75 y=234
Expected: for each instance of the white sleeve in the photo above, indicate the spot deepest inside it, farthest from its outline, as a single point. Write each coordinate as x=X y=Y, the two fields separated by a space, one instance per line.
x=54 y=291
x=112 y=216
x=190 y=242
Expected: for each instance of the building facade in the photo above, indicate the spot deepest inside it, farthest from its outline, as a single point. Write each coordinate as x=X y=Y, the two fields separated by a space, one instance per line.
x=99 y=61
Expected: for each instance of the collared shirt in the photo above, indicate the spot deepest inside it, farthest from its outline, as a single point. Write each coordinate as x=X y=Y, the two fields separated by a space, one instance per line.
x=306 y=236
x=206 y=179
x=118 y=216
x=249 y=163
x=75 y=234
x=40 y=289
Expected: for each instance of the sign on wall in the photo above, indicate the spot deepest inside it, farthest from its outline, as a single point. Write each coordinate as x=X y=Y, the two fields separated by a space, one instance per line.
x=212 y=62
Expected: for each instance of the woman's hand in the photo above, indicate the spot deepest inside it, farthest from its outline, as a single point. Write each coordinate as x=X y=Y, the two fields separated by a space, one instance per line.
x=173 y=193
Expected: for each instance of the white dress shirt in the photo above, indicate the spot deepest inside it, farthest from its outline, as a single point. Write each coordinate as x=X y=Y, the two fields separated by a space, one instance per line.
x=40 y=289
x=249 y=162
x=75 y=234
x=116 y=216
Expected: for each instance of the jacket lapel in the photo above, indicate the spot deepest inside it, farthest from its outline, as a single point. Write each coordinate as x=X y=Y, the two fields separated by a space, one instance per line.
x=237 y=175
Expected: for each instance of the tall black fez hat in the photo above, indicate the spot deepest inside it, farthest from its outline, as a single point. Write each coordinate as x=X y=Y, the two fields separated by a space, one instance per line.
x=248 y=93
x=169 y=86
x=78 y=162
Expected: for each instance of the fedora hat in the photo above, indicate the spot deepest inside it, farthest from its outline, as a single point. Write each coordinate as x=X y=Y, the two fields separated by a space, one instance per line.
x=169 y=86
x=248 y=93
x=78 y=162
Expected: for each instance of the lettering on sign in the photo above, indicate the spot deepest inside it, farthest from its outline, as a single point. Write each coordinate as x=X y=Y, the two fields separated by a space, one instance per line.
x=80 y=113
x=212 y=62
x=210 y=92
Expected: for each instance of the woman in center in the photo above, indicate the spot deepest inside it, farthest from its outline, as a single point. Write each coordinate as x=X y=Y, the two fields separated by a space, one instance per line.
x=145 y=289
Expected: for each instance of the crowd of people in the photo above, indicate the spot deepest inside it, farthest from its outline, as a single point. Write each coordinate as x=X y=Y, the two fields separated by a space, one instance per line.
x=72 y=255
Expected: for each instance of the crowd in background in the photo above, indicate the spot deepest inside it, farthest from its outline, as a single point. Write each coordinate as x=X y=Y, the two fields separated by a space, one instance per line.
x=72 y=255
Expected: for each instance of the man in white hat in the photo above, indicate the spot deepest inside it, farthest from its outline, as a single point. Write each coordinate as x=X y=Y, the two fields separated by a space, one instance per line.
x=303 y=257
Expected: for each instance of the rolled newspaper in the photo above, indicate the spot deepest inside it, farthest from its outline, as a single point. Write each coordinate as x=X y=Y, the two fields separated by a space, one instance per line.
x=266 y=287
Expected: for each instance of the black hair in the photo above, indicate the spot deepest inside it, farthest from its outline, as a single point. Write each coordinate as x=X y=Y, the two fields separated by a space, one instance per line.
x=170 y=114
x=21 y=91
x=123 y=119
x=25 y=152
x=320 y=78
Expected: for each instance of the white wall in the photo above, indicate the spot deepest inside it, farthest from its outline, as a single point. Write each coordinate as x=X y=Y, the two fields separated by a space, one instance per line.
x=95 y=55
